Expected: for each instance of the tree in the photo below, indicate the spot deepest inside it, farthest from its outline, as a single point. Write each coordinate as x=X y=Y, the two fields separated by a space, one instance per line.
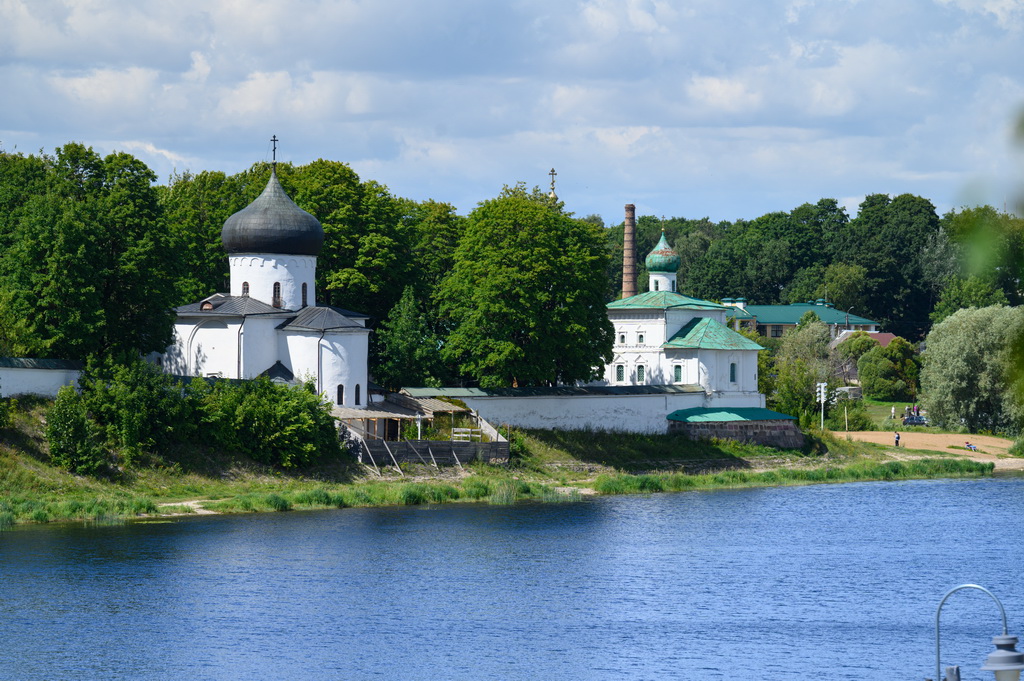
x=803 y=361
x=90 y=268
x=890 y=373
x=526 y=297
x=962 y=293
x=969 y=370
x=195 y=208
x=409 y=353
x=852 y=349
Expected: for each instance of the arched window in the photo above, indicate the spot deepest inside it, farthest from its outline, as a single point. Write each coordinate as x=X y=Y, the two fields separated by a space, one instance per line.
x=641 y=372
x=677 y=373
x=732 y=372
x=620 y=373
x=245 y=288
x=640 y=339
x=304 y=288
x=341 y=394
x=277 y=294
x=622 y=339
x=357 y=394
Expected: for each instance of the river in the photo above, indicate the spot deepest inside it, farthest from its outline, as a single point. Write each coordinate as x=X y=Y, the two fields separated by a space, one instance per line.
x=819 y=582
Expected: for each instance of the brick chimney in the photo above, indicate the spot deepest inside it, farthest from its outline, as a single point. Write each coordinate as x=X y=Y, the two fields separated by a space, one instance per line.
x=629 y=253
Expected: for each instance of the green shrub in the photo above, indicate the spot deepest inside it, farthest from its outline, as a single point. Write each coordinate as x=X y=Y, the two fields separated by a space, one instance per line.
x=72 y=435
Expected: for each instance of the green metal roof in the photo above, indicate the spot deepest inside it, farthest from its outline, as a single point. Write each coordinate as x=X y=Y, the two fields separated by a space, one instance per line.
x=704 y=333
x=662 y=300
x=716 y=415
x=33 y=363
x=558 y=391
x=791 y=314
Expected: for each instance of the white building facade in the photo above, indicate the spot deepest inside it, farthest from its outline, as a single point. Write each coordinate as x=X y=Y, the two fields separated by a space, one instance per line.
x=270 y=323
x=663 y=338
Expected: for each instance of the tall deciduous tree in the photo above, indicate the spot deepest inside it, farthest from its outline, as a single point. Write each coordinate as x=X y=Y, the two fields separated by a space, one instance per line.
x=90 y=268
x=970 y=368
x=526 y=296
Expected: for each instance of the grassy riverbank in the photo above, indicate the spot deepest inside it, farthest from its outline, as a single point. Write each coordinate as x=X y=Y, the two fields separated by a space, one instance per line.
x=548 y=466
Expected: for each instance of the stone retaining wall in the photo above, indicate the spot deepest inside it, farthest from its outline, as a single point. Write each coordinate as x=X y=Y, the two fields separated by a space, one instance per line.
x=781 y=433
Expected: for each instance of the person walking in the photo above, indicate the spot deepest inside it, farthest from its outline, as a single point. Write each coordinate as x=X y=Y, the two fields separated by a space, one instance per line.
x=897 y=439
x=892 y=413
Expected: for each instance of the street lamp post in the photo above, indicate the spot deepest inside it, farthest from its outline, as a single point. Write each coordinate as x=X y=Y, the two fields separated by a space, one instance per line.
x=1005 y=662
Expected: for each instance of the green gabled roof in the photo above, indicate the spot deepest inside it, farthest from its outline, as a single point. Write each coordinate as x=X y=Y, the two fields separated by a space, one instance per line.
x=719 y=414
x=662 y=300
x=791 y=314
x=704 y=333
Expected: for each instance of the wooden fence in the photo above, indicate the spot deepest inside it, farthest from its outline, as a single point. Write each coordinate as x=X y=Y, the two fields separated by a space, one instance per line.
x=431 y=452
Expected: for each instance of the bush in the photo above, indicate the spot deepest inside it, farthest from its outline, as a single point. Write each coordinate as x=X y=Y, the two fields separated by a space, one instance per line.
x=72 y=435
x=851 y=411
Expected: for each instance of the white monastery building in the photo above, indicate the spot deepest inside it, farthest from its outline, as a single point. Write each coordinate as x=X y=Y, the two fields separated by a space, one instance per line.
x=664 y=338
x=269 y=323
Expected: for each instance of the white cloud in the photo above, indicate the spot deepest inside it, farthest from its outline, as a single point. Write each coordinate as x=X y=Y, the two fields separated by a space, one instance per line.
x=108 y=88
x=723 y=94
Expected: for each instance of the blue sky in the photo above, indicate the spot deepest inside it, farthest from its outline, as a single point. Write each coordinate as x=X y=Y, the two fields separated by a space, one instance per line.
x=692 y=108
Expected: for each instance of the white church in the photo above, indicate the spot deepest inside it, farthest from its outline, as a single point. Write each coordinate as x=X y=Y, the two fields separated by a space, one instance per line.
x=665 y=338
x=270 y=324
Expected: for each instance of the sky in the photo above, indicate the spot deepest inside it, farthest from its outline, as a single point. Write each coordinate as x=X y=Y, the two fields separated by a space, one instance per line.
x=727 y=109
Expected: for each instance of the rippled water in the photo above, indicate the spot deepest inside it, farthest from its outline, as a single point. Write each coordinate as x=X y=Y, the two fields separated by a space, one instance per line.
x=821 y=582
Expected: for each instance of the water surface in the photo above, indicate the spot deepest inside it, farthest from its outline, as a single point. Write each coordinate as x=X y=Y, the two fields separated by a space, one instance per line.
x=820 y=582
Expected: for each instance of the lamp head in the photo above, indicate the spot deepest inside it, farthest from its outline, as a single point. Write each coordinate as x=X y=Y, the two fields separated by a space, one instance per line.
x=1005 y=661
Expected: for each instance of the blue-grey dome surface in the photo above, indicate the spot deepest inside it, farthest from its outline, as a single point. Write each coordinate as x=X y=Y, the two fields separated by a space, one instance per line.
x=273 y=224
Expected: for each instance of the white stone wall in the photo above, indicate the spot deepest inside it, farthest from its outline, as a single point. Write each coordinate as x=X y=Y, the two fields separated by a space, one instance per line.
x=339 y=358
x=45 y=382
x=259 y=346
x=622 y=413
x=208 y=347
x=262 y=271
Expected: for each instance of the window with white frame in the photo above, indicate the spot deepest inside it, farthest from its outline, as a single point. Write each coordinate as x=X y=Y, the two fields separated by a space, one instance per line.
x=622 y=339
x=677 y=373
x=639 y=339
x=641 y=373
x=732 y=372
x=620 y=373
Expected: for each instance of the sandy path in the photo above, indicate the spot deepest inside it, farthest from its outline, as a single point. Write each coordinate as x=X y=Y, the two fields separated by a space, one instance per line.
x=994 y=449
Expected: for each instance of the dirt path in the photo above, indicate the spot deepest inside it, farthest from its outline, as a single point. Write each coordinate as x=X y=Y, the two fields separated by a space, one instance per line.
x=994 y=449
x=196 y=505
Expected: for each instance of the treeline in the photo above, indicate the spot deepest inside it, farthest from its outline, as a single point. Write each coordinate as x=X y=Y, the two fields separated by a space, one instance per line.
x=96 y=255
x=897 y=262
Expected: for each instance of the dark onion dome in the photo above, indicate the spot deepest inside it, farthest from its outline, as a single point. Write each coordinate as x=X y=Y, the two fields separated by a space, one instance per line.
x=662 y=258
x=272 y=224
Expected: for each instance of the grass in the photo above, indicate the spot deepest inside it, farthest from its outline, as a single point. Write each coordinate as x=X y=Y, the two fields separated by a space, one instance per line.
x=623 y=483
x=552 y=467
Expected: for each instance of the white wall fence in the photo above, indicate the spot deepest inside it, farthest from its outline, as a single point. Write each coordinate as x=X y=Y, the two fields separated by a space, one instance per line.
x=622 y=413
x=44 y=377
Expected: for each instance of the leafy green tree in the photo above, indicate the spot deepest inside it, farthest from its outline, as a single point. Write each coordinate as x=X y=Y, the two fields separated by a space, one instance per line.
x=90 y=268
x=890 y=373
x=962 y=293
x=409 y=352
x=195 y=208
x=803 y=361
x=526 y=295
x=970 y=369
